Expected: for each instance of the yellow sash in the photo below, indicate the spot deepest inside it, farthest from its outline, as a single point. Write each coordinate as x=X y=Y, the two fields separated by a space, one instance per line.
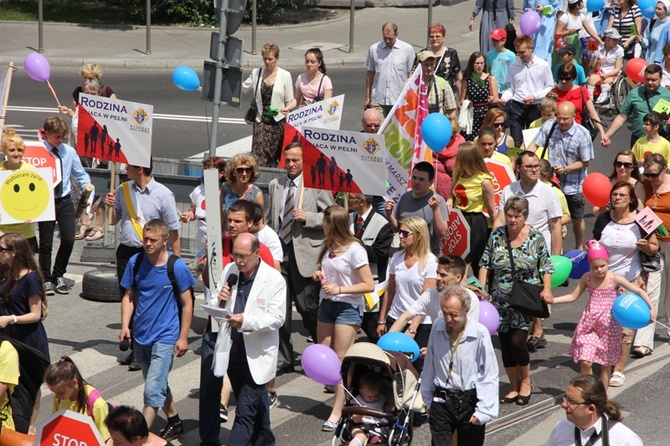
x=125 y=187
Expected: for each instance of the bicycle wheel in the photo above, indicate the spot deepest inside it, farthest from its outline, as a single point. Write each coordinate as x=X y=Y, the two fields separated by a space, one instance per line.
x=621 y=89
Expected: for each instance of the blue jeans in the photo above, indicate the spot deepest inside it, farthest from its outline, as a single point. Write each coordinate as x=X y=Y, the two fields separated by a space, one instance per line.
x=155 y=361
x=252 y=414
x=209 y=425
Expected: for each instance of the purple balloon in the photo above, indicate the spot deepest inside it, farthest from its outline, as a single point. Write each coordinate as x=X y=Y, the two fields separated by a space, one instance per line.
x=321 y=364
x=529 y=23
x=37 y=67
x=488 y=316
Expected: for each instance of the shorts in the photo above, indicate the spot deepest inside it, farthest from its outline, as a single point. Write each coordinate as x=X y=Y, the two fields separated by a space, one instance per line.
x=155 y=361
x=338 y=313
x=576 y=205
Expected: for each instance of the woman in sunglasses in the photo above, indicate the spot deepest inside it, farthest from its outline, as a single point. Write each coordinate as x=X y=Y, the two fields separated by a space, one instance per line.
x=241 y=174
x=625 y=169
x=497 y=119
x=617 y=231
x=579 y=96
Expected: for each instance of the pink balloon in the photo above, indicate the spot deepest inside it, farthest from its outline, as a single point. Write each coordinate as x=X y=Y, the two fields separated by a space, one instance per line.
x=488 y=316
x=321 y=364
x=530 y=23
x=37 y=67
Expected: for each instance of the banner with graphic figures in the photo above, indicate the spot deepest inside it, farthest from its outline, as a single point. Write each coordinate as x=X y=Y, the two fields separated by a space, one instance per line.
x=26 y=195
x=343 y=161
x=325 y=114
x=114 y=130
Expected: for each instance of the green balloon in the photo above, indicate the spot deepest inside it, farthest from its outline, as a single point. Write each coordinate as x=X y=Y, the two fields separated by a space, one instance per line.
x=562 y=268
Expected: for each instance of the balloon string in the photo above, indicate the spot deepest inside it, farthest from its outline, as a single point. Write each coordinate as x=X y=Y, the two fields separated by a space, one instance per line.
x=662 y=325
x=350 y=394
x=53 y=93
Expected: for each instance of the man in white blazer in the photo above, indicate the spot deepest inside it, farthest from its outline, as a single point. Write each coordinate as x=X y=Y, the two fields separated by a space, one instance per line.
x=257 y=302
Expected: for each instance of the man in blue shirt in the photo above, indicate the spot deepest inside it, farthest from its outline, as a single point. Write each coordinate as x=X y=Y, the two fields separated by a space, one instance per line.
x=499 y=58
x=160 y=321
x=55 y=131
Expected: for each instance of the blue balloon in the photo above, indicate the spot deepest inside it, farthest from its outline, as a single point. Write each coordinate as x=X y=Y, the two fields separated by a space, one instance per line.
x=436 y=131
x=580 y=263
x=185 y=78
x=401 y=343
x=594 y=5
x=648 y=8
x=631 y=311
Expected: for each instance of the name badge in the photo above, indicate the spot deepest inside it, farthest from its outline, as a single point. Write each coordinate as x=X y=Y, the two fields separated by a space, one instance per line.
x=260 y=301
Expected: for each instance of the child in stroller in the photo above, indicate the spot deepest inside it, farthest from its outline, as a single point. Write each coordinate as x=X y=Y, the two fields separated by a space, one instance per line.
x=368 y=429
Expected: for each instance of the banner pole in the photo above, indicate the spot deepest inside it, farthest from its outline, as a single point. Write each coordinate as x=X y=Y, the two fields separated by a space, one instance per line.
x=5 y=98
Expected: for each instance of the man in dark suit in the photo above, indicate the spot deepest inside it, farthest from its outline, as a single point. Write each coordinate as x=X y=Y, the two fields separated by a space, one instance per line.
x=295 y=212
x=376 y=234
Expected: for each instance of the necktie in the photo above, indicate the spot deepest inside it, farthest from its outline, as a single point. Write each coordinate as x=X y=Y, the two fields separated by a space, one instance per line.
x=287 y=218
x=58 y=190
x=358 y=228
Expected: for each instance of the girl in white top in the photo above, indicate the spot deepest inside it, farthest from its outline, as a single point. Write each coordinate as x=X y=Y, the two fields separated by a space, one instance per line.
x=313 y=85
x=345 y=276
x=412 y=271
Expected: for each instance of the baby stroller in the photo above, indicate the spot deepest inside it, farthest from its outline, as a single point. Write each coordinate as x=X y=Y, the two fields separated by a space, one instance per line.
x=400 y=385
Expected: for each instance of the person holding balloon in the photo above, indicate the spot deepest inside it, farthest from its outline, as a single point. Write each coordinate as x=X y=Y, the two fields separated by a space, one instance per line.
x=345 y=276
x=571 y=23
x=597 y=338
x=543 y=39
x=412 y=271
x=532 y=264
x=273 y=91
x=627 y=19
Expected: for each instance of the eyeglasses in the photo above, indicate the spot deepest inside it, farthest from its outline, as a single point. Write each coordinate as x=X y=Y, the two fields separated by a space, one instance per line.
x=652 y=175
x=404 y=234
x=622 y=164
x=532 y=167
x=498 y=124
x=372 y=124
x=573 y=403
x=242 y=170
x=242 y=257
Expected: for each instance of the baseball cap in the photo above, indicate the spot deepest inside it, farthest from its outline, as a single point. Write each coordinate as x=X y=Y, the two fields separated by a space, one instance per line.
x=569 y=48
x=572 y=2
x=424 y=55
x=612 y=34
x=498 y=34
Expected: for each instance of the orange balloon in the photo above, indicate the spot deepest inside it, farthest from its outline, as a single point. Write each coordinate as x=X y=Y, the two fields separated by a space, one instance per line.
x=635 y=69
x=596 y=188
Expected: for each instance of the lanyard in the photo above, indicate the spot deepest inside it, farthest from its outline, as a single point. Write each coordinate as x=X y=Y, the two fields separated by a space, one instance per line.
x=604 y=431
x=454 y=346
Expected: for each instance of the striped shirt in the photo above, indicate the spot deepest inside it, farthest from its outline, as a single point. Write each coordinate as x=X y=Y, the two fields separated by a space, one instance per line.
x=155 y=201
x=624 y=24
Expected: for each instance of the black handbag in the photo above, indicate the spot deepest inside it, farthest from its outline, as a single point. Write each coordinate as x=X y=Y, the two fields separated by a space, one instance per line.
x=319 y=93
x=587 y=120
x=250 y=115
x=525 y=297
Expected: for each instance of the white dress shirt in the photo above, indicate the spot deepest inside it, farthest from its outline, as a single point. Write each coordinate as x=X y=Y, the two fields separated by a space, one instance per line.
x=619 y=435
x=525 y=80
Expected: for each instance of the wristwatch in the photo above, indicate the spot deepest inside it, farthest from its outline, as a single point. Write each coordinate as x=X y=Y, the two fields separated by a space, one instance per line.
x=14 y=319
x=411 y=330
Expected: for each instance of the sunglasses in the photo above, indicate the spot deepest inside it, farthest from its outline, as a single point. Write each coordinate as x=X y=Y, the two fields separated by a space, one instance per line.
x=404 y=234
x=622 y=164
x=498 y=124
x=565 y=79
x=652 y=175
x=242 y=170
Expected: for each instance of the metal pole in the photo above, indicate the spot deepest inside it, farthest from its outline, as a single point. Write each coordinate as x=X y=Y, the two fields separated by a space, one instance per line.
x=253 y=27
x=352 y=10
x=148 y=51
x=430 y=21
x=218 y=76
x=40 y=26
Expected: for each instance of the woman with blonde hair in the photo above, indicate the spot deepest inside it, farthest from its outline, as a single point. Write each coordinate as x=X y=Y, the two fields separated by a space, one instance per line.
x=412 y=271
x=241 y=173
x=13 y=148
x=345 y=277
x=497 y=119
x=472 y=191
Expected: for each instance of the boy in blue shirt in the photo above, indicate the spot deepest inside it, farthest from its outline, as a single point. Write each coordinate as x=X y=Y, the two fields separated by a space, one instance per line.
x=499 y=58
x=567 y=54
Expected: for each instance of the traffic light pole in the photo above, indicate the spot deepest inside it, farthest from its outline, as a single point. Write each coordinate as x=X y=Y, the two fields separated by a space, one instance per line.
x=218 y=76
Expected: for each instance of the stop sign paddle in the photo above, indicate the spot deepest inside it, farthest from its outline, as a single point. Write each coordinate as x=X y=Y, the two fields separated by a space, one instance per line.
x=502 y=176
x=67 y=428
x=39 y=156
x=457 y=240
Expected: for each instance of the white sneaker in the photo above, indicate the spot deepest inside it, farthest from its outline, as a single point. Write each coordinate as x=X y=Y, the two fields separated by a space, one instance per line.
x=603 y=98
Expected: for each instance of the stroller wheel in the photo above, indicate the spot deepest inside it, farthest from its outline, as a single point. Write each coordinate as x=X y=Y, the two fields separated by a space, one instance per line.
x=402 y=435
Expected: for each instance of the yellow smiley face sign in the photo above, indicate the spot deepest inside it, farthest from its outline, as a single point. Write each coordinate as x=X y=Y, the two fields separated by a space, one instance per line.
x=24 y=195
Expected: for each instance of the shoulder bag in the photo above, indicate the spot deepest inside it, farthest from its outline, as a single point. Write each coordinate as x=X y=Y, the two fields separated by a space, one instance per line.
x=250 y=116
x=587 y=120
x=545 y=148
x=525 y=297
x=319 y=94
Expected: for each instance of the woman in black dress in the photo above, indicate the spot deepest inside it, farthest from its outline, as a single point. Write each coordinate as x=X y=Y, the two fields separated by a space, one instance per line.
x=480 y=88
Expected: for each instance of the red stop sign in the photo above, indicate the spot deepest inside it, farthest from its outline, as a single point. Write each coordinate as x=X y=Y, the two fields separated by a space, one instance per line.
x=502 y=176
x=457 y=240
x=38 y=155
x=67 y=428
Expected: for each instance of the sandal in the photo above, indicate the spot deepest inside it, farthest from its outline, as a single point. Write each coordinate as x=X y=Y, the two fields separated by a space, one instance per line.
x=509 y=399
x=83 y=231
x=617 y=379
x=95 y=234
x=641 y=351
